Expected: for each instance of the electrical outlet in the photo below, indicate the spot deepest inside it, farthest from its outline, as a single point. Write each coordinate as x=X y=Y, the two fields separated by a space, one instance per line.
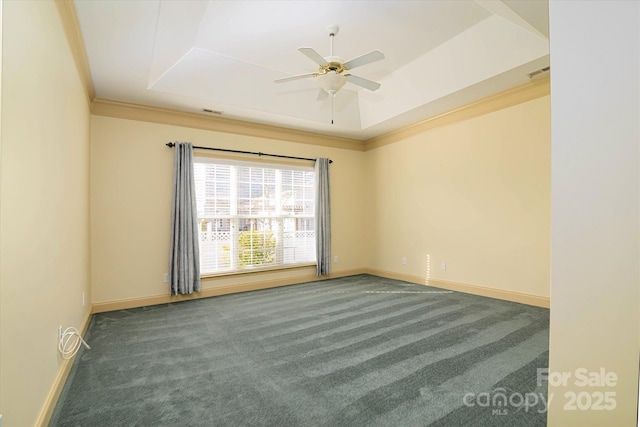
x=335 y=258
x=404 y=260
x=166 y=277
x=59 y=332
x=83 y=302
x=443 y=265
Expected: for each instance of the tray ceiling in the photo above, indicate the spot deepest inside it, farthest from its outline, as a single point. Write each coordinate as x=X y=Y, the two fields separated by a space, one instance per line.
x=224 y=56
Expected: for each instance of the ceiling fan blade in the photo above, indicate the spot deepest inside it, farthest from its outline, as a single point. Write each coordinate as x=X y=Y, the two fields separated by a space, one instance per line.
x=365 y=59
x=300 y=76
x=313 y=55
x=367 y=84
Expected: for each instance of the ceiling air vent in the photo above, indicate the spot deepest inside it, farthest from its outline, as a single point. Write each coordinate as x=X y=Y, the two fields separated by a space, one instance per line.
x=539 y=72
x=208 y=111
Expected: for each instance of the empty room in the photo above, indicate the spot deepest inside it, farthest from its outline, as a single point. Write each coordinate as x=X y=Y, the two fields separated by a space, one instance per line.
x=319 y=213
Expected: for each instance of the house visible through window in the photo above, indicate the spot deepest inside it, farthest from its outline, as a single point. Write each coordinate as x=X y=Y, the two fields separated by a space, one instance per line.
x=254 y=215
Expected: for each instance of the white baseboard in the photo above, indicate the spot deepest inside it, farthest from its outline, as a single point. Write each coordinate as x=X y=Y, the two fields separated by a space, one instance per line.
x=523 y=298
x=58 y=384
x=217 y=290
x=501 y=294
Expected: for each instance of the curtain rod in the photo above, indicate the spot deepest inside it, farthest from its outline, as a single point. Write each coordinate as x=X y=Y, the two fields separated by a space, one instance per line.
x=257 y=153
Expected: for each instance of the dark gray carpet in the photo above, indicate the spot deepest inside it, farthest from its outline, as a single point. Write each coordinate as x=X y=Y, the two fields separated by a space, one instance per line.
x=355 y=351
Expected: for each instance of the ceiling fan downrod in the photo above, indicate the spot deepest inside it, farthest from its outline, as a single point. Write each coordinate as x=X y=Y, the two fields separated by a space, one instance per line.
x=332 y=30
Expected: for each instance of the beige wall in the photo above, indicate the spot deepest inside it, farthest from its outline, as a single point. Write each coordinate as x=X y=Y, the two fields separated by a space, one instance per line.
x=475 y=194
x=595 y=216
x=44 y=205
x=131 y=172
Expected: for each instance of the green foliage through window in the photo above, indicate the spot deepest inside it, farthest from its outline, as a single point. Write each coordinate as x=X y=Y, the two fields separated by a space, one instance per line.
x=256 y=248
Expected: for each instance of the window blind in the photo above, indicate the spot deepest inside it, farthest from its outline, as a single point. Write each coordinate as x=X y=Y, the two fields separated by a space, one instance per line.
x=254 y=215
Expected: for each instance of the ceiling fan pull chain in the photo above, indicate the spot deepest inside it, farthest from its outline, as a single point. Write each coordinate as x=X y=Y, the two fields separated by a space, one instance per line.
x=332 y=98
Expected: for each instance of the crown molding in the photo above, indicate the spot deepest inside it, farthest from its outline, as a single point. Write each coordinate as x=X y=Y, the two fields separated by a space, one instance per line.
x=145 y=113
x=508 y=98
x=69 y=18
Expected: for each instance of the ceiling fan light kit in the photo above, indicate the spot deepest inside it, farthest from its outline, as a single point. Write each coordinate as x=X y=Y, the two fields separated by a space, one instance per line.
x=332 y=83
x=330 y=74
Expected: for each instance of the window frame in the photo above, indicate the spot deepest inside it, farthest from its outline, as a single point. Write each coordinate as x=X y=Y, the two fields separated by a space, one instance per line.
x=264 y=164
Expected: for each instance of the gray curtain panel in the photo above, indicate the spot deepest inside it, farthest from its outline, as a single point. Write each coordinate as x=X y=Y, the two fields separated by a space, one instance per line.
x=184 y=259
x=323 y=218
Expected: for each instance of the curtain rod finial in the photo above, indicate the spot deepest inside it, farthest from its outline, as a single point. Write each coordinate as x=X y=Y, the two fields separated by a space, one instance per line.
x=170 y=144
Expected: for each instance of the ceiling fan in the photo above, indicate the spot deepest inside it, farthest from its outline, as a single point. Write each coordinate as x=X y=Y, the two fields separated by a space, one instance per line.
x=331 y=74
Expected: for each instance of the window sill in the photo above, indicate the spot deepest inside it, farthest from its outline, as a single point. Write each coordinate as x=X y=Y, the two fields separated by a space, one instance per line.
x=257 y=270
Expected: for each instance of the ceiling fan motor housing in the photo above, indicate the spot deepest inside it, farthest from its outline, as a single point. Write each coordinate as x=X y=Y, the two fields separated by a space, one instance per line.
x=334 y=63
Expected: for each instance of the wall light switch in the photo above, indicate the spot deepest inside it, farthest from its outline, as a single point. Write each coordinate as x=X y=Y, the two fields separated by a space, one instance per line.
x=166 y=277
x=404 y=260
x=443 y=265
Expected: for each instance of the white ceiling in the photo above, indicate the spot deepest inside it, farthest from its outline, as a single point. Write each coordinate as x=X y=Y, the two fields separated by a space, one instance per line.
x=225 y=55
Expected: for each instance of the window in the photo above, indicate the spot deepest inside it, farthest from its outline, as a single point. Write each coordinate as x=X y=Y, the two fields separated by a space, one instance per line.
x=254 y=215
